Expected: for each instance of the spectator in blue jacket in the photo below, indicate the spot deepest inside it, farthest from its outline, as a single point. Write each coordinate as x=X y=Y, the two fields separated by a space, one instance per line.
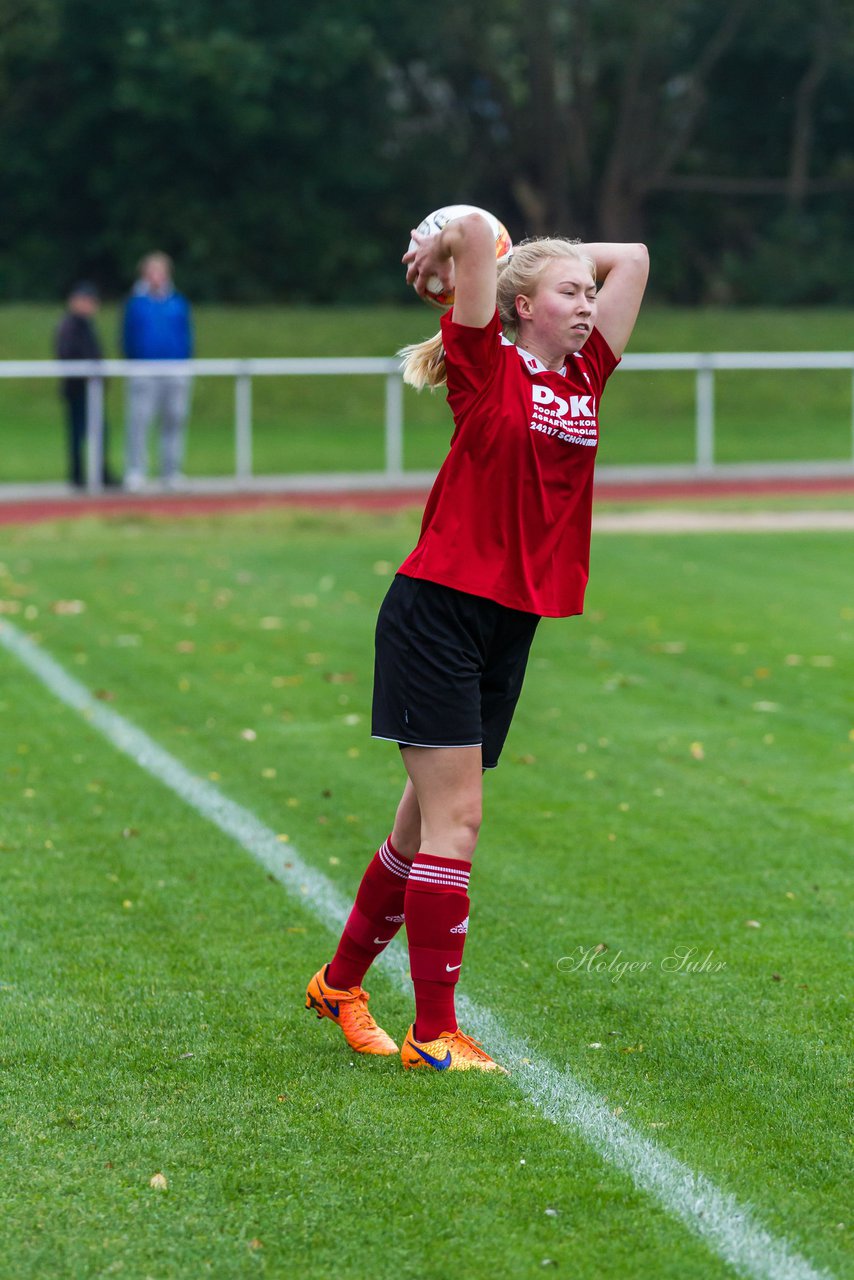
x=156 y=326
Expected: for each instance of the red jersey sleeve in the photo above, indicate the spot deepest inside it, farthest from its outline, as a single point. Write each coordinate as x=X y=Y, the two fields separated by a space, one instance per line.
x=471 y=358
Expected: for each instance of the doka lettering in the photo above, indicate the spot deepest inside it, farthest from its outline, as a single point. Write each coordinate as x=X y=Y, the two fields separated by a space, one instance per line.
x=575 y=407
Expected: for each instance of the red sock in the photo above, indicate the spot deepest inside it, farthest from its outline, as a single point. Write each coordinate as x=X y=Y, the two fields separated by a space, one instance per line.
x=376 y=917
x=437 y=917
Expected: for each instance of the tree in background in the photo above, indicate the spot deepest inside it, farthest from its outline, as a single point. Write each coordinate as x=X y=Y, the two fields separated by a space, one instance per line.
x=724 y=134
x=282 y=150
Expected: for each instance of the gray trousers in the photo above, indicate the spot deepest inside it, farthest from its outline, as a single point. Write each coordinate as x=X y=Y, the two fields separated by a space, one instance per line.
x=169 y=400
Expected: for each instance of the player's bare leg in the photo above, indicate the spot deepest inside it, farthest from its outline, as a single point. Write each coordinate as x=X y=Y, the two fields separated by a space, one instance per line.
x=448 y=785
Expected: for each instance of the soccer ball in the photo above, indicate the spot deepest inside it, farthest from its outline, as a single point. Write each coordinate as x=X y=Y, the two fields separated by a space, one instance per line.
x=434 y=222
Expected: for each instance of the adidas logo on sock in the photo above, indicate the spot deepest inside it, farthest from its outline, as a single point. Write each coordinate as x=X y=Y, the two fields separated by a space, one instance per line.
x=461 y=928
x=395 y=919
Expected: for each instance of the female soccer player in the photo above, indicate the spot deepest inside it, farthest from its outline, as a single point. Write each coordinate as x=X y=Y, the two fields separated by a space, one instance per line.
x=525 y=354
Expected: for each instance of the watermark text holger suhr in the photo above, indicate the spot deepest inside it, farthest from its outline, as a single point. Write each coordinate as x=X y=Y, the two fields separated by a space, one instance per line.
x=682 y=959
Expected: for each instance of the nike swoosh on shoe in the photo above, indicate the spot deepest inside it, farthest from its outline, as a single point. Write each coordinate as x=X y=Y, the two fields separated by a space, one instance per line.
x=441 y=1064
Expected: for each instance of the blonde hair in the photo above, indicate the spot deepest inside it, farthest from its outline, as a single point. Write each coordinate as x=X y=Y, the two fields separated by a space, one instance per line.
x=424 y=362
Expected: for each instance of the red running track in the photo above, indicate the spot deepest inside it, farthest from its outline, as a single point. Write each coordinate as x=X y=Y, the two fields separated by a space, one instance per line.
x=29 y=511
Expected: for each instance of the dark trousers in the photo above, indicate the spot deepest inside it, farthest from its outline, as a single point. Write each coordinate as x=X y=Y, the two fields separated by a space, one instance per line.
x=75 y=403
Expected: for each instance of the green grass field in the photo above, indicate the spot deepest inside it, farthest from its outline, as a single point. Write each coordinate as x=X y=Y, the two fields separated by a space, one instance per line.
x=314 y=424
x=680 y=766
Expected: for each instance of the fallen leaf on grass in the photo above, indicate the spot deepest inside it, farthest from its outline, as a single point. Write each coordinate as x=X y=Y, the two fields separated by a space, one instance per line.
x=67 y=606
x=697 y=751
x=752 y=924
x=339 y=677
x=158 y=1182
x=105 y=695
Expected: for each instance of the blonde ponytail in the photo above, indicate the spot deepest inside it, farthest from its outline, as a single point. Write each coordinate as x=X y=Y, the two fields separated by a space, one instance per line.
x=424 y=363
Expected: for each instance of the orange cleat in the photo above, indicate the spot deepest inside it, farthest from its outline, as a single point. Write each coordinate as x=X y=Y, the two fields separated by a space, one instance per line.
x=349 y=1011
x=451 y=1051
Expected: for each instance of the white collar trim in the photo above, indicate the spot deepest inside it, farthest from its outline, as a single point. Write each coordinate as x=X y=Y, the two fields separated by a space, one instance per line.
x=534 y=363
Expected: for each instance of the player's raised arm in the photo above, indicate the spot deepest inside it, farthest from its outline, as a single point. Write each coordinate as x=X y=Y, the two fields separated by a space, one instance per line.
x=462 y=255
x=622 y=271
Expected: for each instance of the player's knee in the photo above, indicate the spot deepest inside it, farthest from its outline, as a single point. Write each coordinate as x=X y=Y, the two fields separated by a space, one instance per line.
x=467 y=818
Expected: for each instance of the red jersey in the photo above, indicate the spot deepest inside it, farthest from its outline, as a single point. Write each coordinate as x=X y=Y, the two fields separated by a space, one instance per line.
x=509 y=514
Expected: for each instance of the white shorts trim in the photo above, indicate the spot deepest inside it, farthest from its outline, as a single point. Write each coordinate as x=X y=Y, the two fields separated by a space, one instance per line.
x=433 y=746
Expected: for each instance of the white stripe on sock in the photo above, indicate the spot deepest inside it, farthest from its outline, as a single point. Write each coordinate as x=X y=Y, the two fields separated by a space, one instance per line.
x=429 y=873
x=392 y=863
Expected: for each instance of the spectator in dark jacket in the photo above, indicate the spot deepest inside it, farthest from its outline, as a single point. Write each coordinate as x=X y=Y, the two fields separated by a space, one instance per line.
x=76 y=339
x=156 y=327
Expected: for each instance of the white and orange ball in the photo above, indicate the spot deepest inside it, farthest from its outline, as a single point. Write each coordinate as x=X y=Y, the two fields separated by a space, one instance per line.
x=439 y=218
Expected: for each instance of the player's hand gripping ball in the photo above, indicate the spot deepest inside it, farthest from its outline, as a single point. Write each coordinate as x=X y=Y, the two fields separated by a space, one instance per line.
x=436 y=293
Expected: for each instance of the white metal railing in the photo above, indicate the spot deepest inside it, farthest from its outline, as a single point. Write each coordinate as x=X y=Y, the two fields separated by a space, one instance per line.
x=704 y=366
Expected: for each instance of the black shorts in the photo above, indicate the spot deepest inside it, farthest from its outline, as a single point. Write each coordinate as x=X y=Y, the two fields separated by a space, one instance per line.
x=449 y=667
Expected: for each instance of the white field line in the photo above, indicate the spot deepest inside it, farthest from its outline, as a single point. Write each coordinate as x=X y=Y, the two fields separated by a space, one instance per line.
x=727 y=1227
x=669 y=521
